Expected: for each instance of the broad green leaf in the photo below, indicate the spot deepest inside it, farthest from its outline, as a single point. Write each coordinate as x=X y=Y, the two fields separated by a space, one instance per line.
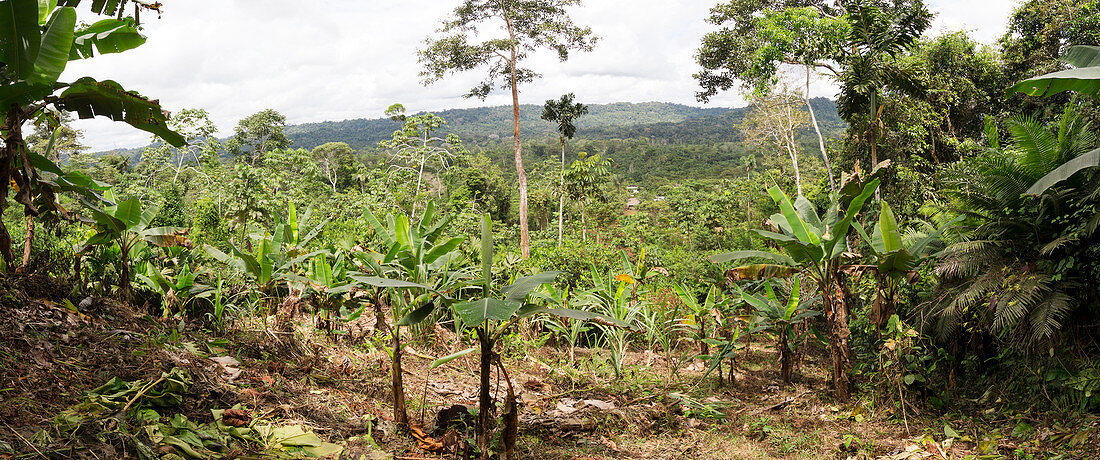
x=888 y=231
x=809 y=214
x=21 y=37
x=89 y=98
x=518 y=291
x=794 y=299
x=739 y=255
x=45 y=7
x=1085 y=80
x=380 y=230
x=452 y=357
x=417 y=315
x=129 y=212
x=793 y=219
x=1082 y=56
x=1064 y=171
x=477 y=311
x=106 y=36
x=839 y=232
x=53 y=54
x=440 y=250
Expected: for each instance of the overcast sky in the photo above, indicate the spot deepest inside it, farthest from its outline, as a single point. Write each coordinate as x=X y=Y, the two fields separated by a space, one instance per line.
x=340 y=59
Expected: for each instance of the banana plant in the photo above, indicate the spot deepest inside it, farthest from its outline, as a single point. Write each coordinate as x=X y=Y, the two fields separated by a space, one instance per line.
x=570 y=330
x=267 y=263
x=38 y=38
x=817 y=247
x=780 y=318
x=896 y=261
x=491 y=317
x=125 y=224
x=175 y=290
x=411 y=274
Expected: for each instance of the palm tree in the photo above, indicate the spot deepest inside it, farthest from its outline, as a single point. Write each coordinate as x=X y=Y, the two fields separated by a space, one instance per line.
x=1008 y=275
x=563 y=112
x=876 y=38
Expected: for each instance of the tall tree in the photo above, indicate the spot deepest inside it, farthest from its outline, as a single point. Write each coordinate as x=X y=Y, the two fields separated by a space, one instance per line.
x=583 y=179
x=879 y=34
x=257 y=134
x=775 y=119
x=759 y=38
x=527 y=26
x=563 y=112
x=416 y=145
x=334 y=160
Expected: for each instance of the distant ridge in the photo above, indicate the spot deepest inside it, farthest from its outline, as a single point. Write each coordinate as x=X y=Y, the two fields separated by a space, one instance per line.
x=657 y=121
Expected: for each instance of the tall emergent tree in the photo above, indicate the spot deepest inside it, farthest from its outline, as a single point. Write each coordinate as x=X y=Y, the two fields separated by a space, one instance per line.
x=257 y=134
x=563 y=112
x=527 y=26
x=774 y=119
x=38 y=38
x=759 y=37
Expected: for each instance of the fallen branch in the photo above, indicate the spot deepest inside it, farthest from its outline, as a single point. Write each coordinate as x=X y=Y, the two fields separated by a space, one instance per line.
x=784 y=403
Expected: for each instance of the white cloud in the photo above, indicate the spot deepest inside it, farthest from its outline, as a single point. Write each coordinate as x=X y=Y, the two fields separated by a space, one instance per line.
x=340 y=59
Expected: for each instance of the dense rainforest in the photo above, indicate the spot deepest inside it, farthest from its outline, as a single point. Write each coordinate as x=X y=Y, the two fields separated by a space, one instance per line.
x=905 y=269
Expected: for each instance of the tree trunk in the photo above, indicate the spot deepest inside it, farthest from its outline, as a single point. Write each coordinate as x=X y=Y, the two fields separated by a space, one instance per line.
x=400 y=415
x=584 y=221
x=12 y=141
x=817 y=129
x=27 y=240
x=561 y=191
x=521 y=175
x=484 y=399
x=836 y=315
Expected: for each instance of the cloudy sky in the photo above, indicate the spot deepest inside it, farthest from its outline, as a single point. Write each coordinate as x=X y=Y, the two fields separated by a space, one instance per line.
x=340 y=59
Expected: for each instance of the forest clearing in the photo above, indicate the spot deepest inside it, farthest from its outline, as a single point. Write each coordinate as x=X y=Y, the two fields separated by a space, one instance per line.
x=885 y=249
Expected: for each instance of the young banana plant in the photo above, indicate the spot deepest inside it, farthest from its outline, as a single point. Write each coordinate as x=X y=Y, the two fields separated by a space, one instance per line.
x=125 y=224
x=780 y=318
x=492 y=317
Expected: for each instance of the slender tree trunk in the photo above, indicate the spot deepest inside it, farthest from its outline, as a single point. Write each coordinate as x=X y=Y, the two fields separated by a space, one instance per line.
x=400 y=414
x=584 y=220
x=521 y=175
x=817 y=129
x=27 y=242
x=12 y=140
x=561 y=192
x=484 y=399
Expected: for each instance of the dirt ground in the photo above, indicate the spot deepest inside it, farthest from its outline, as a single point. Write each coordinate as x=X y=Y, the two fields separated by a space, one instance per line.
x=338 y=385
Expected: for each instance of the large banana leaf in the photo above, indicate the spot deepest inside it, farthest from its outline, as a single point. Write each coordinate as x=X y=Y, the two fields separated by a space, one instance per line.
x=106 y=36
x=1065 y=171
x=22 y=38
x=1085 y=79
x=478 y=311
x=53 y=53
x=518 y=291
x=1083 y=56
x=89 y=98
x=798 y=225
